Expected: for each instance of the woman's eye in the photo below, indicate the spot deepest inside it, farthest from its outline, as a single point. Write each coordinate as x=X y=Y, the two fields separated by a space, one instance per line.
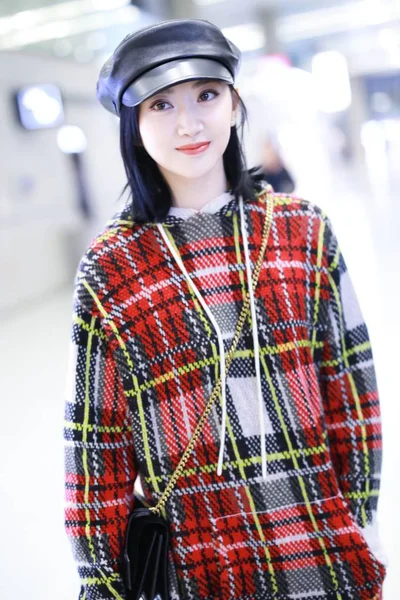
x=157 y=106
x=207 y=92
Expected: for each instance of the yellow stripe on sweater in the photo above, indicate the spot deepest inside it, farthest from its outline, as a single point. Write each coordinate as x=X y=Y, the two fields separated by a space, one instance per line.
x=355 y=395
x=121 y=342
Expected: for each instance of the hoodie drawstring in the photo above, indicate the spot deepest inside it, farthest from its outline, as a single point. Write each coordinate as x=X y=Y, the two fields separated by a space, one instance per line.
x=255 y=344
x=221 y=342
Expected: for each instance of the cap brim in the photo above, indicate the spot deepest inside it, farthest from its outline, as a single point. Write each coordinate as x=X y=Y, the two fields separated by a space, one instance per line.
x=171 y=73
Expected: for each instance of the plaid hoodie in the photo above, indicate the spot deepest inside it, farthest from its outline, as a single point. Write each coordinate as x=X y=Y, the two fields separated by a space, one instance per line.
x=144 y=359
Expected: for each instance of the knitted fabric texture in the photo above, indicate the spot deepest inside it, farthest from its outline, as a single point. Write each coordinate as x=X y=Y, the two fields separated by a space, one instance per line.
x=144 y=360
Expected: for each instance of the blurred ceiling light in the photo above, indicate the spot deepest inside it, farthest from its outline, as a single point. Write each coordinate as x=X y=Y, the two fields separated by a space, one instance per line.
x=51 y=31
x=377 y=12
x=107 y=4
x=331 y=76
x=325 y=21
x=246 y=37
x=64 y=28
x=71 y=139
x=26 y=18
x=65 y=10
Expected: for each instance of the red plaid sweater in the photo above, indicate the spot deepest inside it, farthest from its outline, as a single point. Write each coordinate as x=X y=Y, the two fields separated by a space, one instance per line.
x=144 y=359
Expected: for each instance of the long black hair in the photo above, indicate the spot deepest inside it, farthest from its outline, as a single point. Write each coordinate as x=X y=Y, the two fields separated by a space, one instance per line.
x=150 y=194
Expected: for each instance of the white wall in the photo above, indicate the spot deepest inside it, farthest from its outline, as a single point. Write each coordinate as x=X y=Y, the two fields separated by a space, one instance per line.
x=41 y=232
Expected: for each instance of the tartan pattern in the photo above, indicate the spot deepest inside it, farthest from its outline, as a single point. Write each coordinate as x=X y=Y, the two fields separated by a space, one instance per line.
x=144 y=359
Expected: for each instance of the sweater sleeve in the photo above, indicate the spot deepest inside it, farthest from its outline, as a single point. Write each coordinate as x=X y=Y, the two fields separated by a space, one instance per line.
x=350 y=397
x=99 y=460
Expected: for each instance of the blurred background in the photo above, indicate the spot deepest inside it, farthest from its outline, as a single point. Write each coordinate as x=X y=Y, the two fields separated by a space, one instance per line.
x=321 y=81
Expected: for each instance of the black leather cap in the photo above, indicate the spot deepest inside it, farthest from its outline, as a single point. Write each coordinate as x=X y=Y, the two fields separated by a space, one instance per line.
x=164 y=54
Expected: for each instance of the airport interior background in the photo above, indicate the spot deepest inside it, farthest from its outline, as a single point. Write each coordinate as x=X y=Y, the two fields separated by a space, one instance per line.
x=321 y=82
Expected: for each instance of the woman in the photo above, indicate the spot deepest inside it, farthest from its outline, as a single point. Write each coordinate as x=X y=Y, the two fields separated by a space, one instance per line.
x=280 y=493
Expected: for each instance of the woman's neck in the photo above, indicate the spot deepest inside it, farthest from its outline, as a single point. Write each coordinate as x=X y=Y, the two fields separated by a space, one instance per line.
x=195 y=193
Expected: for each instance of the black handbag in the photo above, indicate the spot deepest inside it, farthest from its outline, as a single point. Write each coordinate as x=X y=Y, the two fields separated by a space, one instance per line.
x=145 y=561
x=145 y=556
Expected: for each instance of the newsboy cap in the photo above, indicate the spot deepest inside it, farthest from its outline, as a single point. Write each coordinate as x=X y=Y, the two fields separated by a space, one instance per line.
x=151 y=59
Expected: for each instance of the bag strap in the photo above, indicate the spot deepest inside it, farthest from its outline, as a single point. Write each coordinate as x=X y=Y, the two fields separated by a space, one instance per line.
x=242 y=318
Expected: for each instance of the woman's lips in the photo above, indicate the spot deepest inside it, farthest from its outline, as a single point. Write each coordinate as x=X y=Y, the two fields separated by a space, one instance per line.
x=196 y=150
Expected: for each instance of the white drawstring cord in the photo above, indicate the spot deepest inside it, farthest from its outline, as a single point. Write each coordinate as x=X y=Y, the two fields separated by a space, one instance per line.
x=255 y=344
x=220 y=342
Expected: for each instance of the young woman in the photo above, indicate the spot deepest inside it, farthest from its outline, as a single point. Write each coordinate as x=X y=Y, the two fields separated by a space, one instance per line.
x=278 y=498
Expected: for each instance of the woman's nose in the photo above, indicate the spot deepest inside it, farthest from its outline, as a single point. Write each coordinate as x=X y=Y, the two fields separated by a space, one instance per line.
x=188 y=122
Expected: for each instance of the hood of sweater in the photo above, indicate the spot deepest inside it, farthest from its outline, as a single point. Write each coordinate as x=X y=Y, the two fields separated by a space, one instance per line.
x=211 y=207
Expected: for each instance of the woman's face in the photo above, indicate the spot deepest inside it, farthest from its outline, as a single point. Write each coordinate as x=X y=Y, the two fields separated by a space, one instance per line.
x=186 y=114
